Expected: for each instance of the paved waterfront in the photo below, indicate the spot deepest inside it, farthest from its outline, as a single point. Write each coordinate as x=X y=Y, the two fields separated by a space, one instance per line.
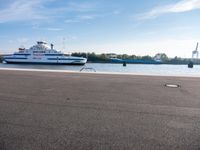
x=72 y=111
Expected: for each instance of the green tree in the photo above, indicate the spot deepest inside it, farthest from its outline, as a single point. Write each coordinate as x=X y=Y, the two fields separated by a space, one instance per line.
x=147 y=58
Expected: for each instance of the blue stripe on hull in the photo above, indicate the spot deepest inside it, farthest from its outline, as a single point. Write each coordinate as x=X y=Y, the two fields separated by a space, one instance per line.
x=21 y=54
x=64 y=59
x=15 y=58
x=54 y=54
x=44 y=63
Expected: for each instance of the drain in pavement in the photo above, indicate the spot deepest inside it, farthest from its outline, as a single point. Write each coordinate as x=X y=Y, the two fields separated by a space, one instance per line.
x=172 y=85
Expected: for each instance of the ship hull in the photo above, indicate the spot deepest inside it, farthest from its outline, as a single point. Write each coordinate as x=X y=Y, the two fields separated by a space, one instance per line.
x=44 y=63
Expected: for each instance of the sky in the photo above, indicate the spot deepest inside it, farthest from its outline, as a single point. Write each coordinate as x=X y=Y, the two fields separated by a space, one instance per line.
x=139 y=27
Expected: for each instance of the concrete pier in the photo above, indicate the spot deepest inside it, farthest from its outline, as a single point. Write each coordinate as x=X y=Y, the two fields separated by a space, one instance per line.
x=76 y=111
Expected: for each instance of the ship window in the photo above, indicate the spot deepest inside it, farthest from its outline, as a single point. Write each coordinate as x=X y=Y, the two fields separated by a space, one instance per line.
x=38 y=51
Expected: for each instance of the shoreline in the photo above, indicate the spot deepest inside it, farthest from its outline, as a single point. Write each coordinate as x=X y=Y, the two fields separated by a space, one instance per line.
x=100 y=73
x=99 y=62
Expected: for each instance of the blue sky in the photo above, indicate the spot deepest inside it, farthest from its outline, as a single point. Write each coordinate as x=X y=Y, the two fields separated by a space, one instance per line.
x=140 y=27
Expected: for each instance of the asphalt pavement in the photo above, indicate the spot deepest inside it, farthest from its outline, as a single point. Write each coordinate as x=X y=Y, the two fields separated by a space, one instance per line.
x=78 y=111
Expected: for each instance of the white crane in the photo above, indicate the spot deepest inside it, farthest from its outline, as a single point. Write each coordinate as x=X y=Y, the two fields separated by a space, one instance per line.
x=196 y=52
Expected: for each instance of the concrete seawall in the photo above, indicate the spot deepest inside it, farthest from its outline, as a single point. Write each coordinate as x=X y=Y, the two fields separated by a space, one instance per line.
x=49 y=110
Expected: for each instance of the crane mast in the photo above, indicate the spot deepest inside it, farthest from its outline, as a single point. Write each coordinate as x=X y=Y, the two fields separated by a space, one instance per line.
x=196 y=52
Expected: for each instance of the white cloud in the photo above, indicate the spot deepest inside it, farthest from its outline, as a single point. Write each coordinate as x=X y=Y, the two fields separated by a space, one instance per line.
x=36 y=12
x=81 y=18
x=179 y=7
x=86 y=17
x=80 y=7
x=38 y=27
x=182 y=28
x=71 y=20
x=22 y=10
x=54 y=29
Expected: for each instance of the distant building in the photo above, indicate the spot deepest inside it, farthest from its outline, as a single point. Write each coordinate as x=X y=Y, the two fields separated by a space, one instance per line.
x=157 y=58
x=160 y=57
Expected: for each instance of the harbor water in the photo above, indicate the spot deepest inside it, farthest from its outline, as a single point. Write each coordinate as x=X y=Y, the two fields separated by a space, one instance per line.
x=176 y=70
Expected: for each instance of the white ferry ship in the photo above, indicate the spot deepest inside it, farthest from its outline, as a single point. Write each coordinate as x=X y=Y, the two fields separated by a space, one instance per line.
x=41 y=53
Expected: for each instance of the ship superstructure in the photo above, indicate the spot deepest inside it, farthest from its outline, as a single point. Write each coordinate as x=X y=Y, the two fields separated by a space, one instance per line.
x=42 y=53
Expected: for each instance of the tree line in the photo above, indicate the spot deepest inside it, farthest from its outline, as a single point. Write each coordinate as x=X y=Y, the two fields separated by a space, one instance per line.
x=92 y=57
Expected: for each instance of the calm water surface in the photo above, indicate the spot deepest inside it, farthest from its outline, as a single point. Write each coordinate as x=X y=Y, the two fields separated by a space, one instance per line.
x=130 y=68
